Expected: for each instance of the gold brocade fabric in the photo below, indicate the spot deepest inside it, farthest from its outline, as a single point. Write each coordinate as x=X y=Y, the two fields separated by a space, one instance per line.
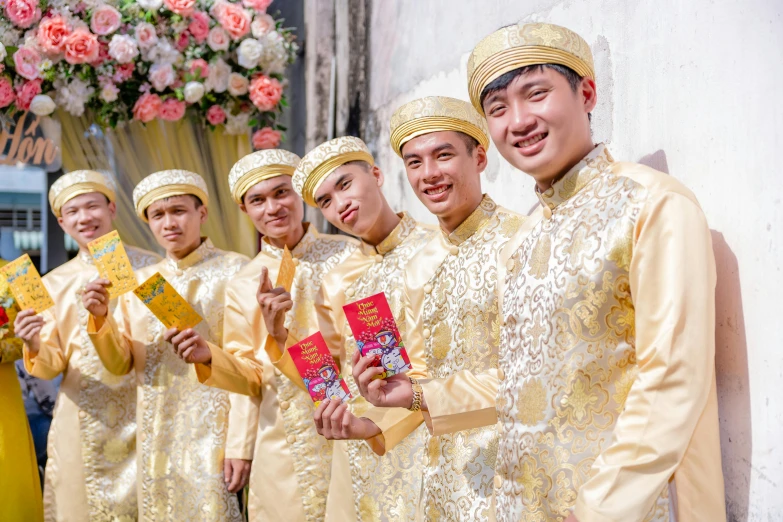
x=182 y=425
x=620 y=271
x=91 y=469
x=385 y=488
x=291 y=463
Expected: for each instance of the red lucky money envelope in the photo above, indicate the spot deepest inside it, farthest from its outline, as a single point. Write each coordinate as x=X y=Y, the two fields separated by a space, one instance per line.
x=319 y=373
x=376 y=333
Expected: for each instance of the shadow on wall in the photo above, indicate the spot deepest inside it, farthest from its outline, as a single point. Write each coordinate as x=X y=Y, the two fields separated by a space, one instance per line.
x=731 y=368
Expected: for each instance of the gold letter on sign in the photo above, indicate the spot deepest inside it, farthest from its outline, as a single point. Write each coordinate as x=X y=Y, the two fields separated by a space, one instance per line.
x=30 y=140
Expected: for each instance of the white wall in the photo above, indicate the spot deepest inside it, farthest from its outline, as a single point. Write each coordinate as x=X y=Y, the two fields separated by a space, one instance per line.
x=689 y=87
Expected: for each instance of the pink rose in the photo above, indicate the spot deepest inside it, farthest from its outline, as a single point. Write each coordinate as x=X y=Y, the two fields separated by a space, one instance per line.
x=123 y=72
x=199 y=67
x=215 y=114
x=22 y=13
x=217 y=39
x=262 y=25
x=81 y=46
x=161 y=76
x=123 y=48
x=265 y=92
x=234 y=19
x=7 y=95
x=26 y=92
x=266 y=138
x=26 y=61
x=105 y=20
x=52 y=34
x=237 y=84
x=103 y=54
x=181 y=7
x=182 y=41
x=258 y=5
x=145 y=35
x=199 y=26
x=172 y=110
x=147 y=107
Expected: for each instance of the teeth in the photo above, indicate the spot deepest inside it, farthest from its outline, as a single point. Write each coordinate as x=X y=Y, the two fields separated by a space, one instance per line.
x=434 y=192
x=533 y=140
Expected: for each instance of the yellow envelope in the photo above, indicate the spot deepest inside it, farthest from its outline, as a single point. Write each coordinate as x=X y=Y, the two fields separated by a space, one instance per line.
x=168 y=306
x=26 y=285
x=113 y=264
x=285 y=275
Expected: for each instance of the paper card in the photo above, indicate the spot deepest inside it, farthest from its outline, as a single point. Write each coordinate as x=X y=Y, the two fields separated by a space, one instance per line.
x=376 y=333
x=27 y=285
x=168 y=306
x=113 y=264
x=285 y=275
x=8 y=307
x=319 y=373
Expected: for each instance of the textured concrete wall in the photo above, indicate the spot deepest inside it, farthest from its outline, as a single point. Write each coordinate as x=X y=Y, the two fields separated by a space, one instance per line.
x=691 y=88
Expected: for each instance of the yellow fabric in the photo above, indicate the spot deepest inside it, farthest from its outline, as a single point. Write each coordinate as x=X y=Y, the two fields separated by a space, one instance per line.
x=182 y=425
x=91 y=468
x=521 y=45
x=434 y=114
x=619 y=384
x=367 y=271
x=317 y=164
x=140 y=149
x=291 y=462
x=258 y=166
x=76 y=183
x=166 y=184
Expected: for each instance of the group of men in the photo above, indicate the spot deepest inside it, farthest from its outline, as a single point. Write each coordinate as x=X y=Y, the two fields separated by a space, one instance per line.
x=562 y=361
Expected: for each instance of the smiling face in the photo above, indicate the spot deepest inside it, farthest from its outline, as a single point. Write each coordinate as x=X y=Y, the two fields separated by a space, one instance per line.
x=176 y=224
x=87 y=217
x=350 y=198
x=274 y=208
x=445 y=174
x=540 y=124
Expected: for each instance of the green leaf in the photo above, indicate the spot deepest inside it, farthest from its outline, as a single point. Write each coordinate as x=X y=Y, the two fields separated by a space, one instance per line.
x=253 y=122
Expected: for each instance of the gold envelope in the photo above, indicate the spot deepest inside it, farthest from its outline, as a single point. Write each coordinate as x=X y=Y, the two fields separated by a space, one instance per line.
x=26 y=285
x=113 y=264
x=168 y=306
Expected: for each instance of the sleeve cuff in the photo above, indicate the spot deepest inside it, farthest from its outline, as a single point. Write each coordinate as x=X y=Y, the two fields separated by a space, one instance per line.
x=395 y=424
x=449 y=413
x=224 y=372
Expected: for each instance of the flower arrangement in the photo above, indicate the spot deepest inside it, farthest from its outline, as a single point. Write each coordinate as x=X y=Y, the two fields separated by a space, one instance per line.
x=144 y=59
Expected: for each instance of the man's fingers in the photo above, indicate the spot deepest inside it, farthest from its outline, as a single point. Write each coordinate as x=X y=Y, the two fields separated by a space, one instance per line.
x=169 y=334
x=182 y=336
x=368 y=377
x=317 y=417
x=236 y=478
x=265 y=285
x=185 y=355
x=360 y=364
x=186 y=347
x=227 y=470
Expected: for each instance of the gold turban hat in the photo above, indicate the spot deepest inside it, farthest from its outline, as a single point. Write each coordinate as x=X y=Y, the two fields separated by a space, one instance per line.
x=433 y=114
x=257 y=167
x=323 y=160
x=167 y=184
x=521 y=45
x=77 y=183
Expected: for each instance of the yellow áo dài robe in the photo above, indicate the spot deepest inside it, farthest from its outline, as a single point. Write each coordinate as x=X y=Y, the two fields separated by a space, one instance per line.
x=182 y=425
x=607 y=396
x=91 y=466
x=384 y=488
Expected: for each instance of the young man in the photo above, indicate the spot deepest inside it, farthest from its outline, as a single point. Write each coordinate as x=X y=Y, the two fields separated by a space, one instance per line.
x=451 y=325
x=340 y=178
x=292 y=464
x=182 y=425
x=91 y=469
x=608 y=400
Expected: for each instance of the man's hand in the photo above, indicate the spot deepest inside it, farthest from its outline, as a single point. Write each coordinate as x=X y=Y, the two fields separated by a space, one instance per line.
x=274 y=303
x=189 y=345
x=335 y=421
x=27 y=327
x=236 y=473
x=393 y=392
x=96 y=298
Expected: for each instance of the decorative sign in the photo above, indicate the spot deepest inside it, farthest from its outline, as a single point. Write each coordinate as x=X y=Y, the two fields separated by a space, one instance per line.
x=31 y=140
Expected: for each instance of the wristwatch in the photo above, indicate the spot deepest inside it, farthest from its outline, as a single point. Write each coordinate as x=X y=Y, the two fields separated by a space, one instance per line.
x=416 y=404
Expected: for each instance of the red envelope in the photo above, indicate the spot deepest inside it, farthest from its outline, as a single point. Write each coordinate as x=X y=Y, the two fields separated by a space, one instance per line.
x=319 y=373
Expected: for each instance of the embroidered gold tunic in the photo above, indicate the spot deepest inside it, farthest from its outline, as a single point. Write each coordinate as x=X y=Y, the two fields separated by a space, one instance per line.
x=91 y=467
x=384 y=488
x=291 y=463
x=607 y=399
x=182 y=425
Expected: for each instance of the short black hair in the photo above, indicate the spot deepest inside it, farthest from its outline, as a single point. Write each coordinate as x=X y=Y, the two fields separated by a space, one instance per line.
x=470 y=142
x=197 y=199
x=363 y=164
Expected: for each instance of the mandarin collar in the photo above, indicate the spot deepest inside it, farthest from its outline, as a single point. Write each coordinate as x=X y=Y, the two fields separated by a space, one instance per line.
x=575 y=179
x=473 y=223
x=308 y=239
x=204 y=250
x=394 y=239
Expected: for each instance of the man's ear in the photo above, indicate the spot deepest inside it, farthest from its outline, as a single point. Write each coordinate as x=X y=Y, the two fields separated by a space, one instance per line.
x=589 y=94
x=112 y=210
x=378 y=173
x=204 y=213
x=481 y=157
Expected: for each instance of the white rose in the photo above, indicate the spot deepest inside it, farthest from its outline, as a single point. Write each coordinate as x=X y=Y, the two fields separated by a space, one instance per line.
x=219 y=72
x=72 y=95
x=150 y=5
x=239 y=124
x=123 y=48
x=194 y=91
x=10 y=36
x=249 y=53
x=262 y=24
x=218 y=39
x=162 y=75
x=145 y=35
x=275 y=56
x=237 y=84
x=3 y=52
x=42 y=105
x=109 y=93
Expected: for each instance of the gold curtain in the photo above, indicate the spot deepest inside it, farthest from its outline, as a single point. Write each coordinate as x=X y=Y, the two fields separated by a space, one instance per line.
x=135 y=151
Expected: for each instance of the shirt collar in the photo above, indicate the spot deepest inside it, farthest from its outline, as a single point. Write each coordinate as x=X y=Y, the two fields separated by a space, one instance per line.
x=474 y=222
x=394 y=239
x=575 y=179
x=308 y=239
x=204 y=250
x=85 y=257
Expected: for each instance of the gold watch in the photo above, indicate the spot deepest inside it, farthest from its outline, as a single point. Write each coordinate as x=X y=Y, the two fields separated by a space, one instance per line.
x=416 y=404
